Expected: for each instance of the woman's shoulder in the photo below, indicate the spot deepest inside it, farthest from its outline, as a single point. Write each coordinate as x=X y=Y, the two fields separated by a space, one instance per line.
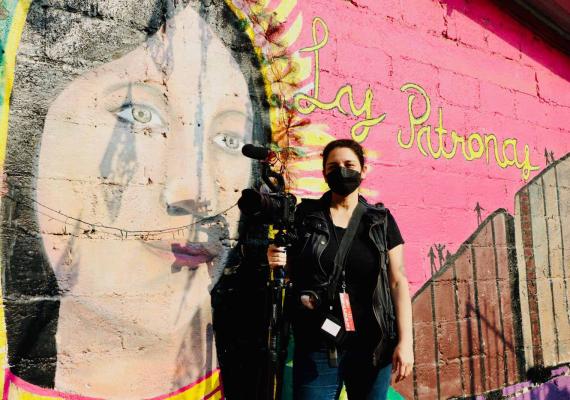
x=378 y=208
x=381 y=213
x=309 y=205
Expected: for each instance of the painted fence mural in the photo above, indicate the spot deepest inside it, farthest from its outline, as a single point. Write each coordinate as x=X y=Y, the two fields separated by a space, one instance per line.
x=121 y=129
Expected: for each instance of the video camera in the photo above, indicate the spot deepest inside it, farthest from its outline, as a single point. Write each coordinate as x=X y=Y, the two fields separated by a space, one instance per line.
x=248 y=300
x=277 y=207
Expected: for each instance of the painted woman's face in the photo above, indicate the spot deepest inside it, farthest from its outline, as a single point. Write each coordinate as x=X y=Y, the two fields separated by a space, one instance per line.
x=149 y=142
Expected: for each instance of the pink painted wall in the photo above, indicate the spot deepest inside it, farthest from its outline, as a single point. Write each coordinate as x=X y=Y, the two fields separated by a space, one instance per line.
x=487 y=72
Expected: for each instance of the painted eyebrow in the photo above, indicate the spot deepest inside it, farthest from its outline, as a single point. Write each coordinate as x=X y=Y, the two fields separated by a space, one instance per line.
x=231 y=113
x=152 y=88
x=235 y=113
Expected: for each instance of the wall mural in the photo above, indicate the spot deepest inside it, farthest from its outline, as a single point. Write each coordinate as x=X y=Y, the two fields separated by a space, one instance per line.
x=120 y=136
x=118 y=219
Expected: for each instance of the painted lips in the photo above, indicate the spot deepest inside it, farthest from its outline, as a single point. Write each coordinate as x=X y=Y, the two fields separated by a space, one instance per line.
x=186 y=255
x=190 y=255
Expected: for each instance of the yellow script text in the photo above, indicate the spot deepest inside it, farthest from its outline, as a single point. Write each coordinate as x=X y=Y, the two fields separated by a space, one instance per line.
x=472 y=146
x=306 y=104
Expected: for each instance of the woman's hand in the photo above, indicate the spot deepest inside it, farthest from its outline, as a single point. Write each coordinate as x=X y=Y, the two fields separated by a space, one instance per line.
x=276 y=256
x=403 y=359
x=309 y=301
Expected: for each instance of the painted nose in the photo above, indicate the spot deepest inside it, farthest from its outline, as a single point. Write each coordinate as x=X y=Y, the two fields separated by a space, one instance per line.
x=183 y=190
x=183 y=195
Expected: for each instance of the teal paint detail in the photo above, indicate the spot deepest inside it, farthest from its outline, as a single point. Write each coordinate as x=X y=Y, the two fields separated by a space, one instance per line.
x=393 y=395
x=7 y=8
x=287 y=392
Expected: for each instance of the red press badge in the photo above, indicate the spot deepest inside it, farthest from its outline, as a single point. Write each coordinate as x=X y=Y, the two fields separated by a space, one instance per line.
x=346 y=312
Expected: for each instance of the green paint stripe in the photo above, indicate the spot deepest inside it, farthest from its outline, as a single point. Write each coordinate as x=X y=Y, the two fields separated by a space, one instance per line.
x=5 y=26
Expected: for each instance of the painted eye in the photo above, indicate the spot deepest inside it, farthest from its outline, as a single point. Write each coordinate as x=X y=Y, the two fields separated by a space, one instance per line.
x=229 y=142
x=140 y=114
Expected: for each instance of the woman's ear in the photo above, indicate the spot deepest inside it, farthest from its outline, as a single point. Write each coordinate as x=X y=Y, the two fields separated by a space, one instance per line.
x=364 y=171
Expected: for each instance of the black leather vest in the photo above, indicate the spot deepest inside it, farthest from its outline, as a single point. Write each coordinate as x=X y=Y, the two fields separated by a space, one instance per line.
x=308 y=274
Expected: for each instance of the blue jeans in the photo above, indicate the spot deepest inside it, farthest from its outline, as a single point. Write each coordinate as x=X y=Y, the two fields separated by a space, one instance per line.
x=314 y=379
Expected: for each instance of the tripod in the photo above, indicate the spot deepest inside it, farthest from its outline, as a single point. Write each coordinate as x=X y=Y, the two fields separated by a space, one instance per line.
x=278 y=334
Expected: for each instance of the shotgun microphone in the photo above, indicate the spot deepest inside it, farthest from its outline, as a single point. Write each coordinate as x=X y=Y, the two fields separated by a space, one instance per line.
x=256 y=152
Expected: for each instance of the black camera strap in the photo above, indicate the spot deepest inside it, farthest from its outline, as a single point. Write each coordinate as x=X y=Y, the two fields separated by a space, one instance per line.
x=339 y=264
x=343 y=249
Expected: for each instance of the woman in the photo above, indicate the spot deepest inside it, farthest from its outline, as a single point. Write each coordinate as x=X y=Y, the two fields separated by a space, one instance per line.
x=123 y=178
x=377 y=345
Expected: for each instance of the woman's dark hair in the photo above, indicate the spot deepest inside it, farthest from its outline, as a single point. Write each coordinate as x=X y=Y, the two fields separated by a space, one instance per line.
x=60 y=42
x=349 y=144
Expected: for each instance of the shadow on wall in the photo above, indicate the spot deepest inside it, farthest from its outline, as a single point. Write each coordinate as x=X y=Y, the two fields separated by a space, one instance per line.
x=496 y=29
x=498 y=310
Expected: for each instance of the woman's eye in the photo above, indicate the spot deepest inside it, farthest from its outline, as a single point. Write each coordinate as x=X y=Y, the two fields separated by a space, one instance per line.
x=229 y=142
x=140 y=114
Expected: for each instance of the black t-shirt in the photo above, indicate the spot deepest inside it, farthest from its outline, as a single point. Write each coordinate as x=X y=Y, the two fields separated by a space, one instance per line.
x=361 y=273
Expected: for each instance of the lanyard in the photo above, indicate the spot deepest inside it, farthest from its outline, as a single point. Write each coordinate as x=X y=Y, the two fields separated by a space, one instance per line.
x=343 y=273
x=343 y=249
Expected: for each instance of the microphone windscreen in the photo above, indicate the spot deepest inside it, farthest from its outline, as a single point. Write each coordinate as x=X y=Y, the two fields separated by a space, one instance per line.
x=250 y=202
x=255 y=152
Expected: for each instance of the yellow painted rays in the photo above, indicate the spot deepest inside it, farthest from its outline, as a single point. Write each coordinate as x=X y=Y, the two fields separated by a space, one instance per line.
x=275 y=28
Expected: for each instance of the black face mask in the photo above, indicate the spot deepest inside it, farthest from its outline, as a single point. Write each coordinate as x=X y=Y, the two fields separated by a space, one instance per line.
x=343 y=181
